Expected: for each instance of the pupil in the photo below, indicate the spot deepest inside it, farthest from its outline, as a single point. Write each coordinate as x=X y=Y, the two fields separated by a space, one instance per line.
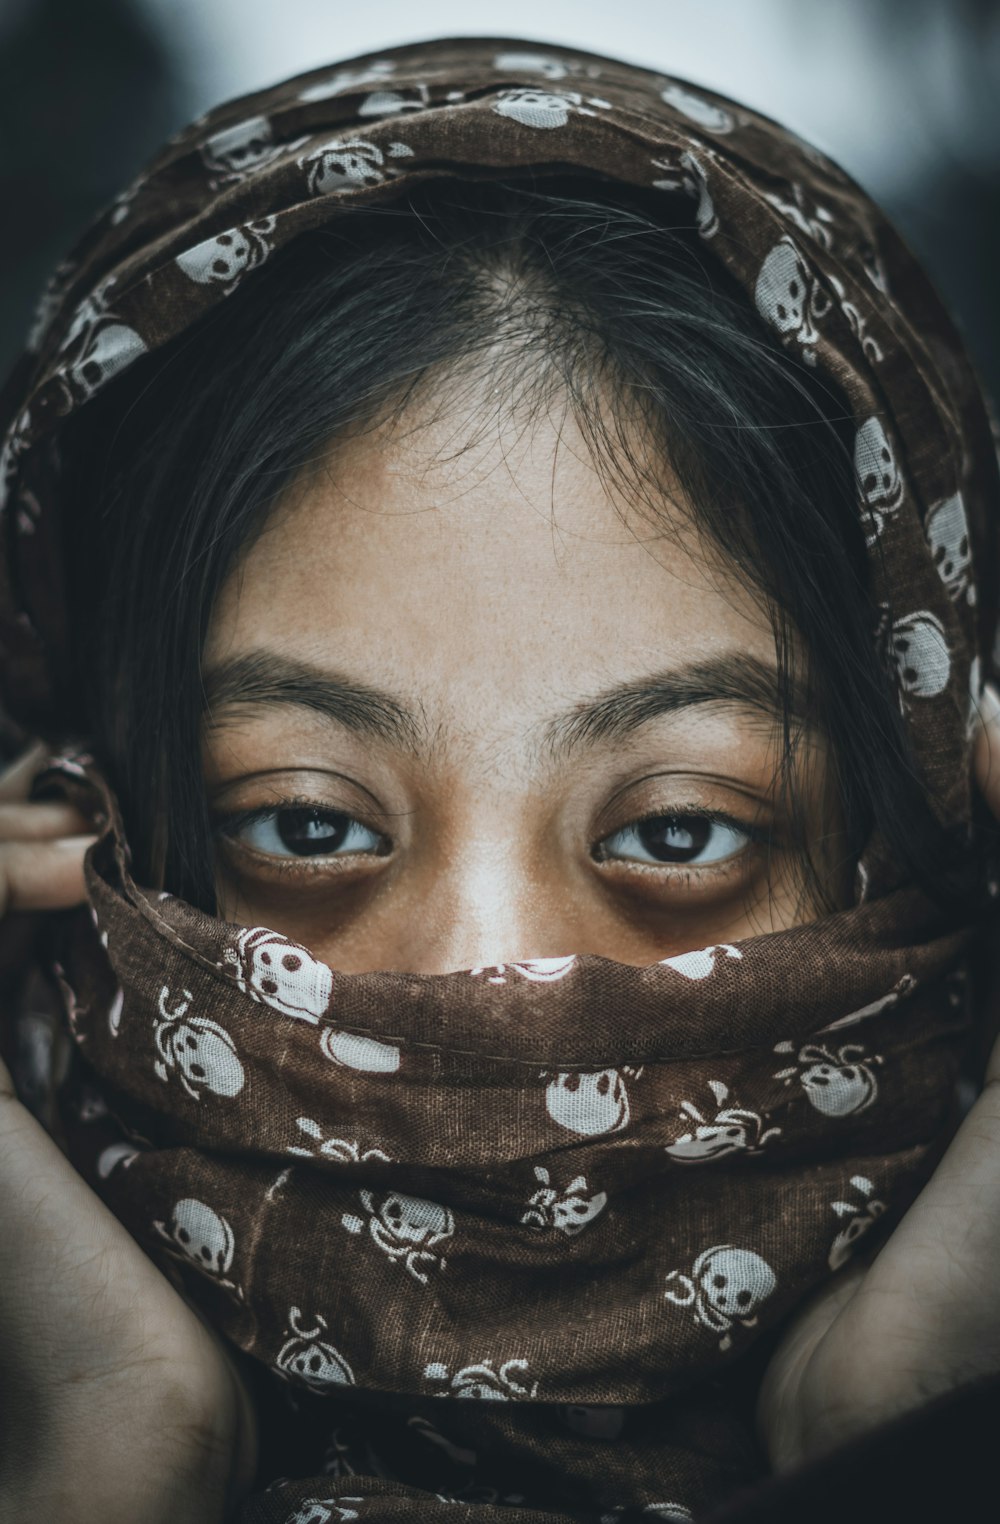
x=674 y=839
x=311 y=833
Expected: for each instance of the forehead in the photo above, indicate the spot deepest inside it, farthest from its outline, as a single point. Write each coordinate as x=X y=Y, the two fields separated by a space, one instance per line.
x=464 y=560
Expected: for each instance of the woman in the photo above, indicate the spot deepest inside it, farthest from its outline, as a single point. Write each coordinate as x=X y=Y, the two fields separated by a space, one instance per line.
x=507 y=512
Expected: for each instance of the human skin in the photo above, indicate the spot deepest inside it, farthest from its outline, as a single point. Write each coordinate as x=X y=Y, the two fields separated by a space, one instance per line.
x=489 y=589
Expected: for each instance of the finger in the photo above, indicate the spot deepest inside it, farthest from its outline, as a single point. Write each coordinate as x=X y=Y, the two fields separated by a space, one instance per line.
x=58 y=1234
x=16 y=780
x=43 y=875
x=952 y=1233
x=986 y=748
x=135 y=1369
x=41 y=821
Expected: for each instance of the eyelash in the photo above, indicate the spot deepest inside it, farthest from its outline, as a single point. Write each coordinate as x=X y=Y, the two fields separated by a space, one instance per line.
x=228 y=826
x=753 y=835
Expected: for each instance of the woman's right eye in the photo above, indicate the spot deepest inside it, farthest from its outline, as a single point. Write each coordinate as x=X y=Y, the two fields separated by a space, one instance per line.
x=302 y=831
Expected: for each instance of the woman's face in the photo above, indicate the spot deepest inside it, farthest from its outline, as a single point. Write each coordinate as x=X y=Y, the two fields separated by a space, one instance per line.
x=465 y=709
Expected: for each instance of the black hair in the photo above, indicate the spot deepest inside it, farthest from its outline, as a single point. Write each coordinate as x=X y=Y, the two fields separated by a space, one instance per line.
x=560 y=285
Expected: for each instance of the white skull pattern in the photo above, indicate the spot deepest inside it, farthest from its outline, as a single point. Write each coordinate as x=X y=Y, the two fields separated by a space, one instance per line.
x=108 y=348
x=115 y=1011
x=407 y=1228
x=856 y=320
x=697 y=109
x=49 y=303
x=483 y=1382
x=323 y=1510
x=544 y=108
x=530 y=63
x=731 y=1130
x=115 y=1153
x=947 y=534
x=310 y=1358
x=700 y=963
x=863 y=1216
x=588 y=1103
x=878 y=475
x=349 y=79
x=567 y=1211
x=873 y=265
x=226 y=258
x=789 y=298
x=341 y=1149
x=121 y=206
x=14 y=445
x=394 y=102
x=726 y=1286
x=355 y=1051
x=690 y=179
x=537 y=970
x=280 y=973
x=97 y=345
x=233 y=153
x=201 y=1235
x=918 y=647
x=815 y=222
x=838 y=1083
x=201 y=1051
x=347 y=163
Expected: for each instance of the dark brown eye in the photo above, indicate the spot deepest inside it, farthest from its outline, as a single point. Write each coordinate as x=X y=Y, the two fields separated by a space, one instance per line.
x=676 y=840
x=673 y=839
x=304 y=831
x=311 y=833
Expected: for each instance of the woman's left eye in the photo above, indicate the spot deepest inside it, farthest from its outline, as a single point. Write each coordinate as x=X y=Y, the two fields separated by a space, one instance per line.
x=302 y=831
x=677 y=840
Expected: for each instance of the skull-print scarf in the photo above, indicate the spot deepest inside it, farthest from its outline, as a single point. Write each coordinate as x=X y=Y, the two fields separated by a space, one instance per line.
x=512 y=1236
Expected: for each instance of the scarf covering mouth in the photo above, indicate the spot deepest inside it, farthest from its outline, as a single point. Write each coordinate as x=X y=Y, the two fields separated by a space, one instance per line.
x=505 y=1237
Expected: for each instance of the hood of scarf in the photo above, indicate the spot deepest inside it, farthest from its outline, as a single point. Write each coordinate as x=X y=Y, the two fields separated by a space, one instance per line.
x=569 y=1189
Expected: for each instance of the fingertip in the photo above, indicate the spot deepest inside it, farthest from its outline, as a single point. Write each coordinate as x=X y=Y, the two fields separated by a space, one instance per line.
x=39 y=876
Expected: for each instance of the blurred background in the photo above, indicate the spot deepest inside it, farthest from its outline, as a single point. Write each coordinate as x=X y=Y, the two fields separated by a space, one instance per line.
x=904 y=93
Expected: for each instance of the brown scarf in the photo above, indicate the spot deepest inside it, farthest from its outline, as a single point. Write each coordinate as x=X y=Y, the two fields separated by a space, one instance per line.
x=496 y=1236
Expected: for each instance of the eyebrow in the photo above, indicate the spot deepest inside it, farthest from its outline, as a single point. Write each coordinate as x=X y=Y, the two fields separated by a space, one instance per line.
x=261 y=679
x=736 y=678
